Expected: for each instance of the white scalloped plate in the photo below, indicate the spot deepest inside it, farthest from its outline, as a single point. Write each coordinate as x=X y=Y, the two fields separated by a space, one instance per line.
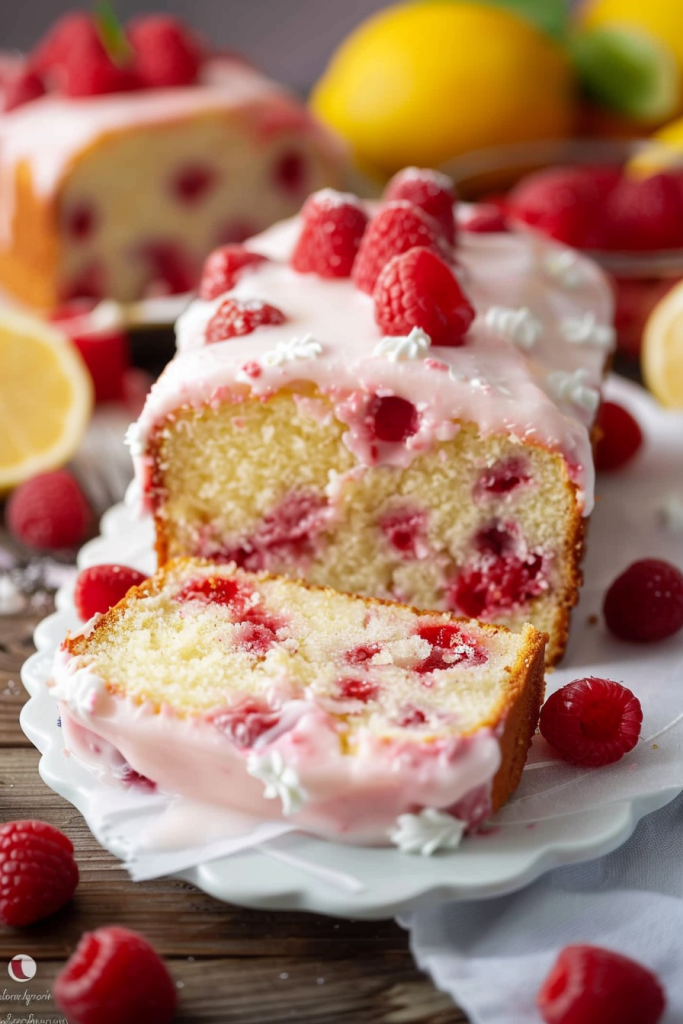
x=387 y=881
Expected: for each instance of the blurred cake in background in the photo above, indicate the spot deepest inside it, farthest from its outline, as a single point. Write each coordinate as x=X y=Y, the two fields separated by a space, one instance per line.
x=127 y=155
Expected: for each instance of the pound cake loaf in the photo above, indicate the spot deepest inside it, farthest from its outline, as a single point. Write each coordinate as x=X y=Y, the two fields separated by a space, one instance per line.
x=277 y=698
x=118 y=176
x=363 y=400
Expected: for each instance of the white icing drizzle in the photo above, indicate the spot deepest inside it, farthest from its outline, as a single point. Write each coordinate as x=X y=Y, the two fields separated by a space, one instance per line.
x=305 y=347
x=135 y=439
x=76 y=685
x=519 y=326
x=671 y=510
x=585 y=330
x=572 y=387
x=412 y=346
x=427 y=832
x=280 y=780
x=563 y=267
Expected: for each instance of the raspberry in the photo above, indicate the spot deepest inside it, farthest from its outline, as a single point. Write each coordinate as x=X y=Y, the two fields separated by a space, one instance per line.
x=591 y=721
x=90 y=283
x=619 y=437
x=115 y=975
x=359 y=655
x=500 y=579
x=395 y=229
x=23 y=88
x=100 y=587
x=417 y=289
x=223 y=268
x=645 y=603
x=192 y=183
x=591 y=985
x=566 y=203
x=361 y=690
x=236 y=317
x=73 y=30
x=392 y=419
x=502 y=477
x=38 y=873
x=405 y=530
x=166 y=53
x=450 y=646
x=171 y=269
x=88 y=70
x=106 y=353
x=486 y=220
x=291 y=170
x=216 y=590
x=246 y=722
x=645 y=213
x=432 y=191
x=49 y=512
x=333 y=225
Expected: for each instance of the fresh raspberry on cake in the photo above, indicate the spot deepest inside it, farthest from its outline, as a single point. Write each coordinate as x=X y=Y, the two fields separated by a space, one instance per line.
x=115 y=975
x=235 y=317
x=645 y=213
x=69 y=32
x=566 y=203
x=592 y=722
x=38 y=873
x=223 y=269
x=645 y=603
x=432 y=191
x=619 y=437
x=166 y=53
x=332 y=228
x=417 y=289
x=485 y=220
x=49 y=512
x=88 y=70
x=100 y=587
x=592 y=985
x=399 y=226
x=22 y=88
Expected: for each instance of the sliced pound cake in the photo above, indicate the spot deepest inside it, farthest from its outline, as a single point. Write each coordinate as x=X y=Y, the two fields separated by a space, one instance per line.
x=410 y=422
x=273 y=697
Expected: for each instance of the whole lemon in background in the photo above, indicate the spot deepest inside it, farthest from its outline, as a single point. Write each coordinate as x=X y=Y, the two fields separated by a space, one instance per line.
x=421 y=82
x=661 y=18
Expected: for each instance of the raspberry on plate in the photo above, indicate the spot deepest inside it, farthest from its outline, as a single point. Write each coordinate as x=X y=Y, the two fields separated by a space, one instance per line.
x=619 y=437
x=592 y=985
x=486 y=220
x=49 y=512
x=115 y=975
x=105 y=349
x=223 y=268
x=431 y=190
x=417 y=289
x=645 y=603
x=100 y=587
x=166 y=53
x=38 y=873
x=396 y=228
x=592 y=722
x=333 y=225
x=566 y=203
x=235 y=317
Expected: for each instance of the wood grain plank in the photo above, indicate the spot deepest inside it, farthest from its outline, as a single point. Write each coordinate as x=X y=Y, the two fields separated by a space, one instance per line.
x=16 y=644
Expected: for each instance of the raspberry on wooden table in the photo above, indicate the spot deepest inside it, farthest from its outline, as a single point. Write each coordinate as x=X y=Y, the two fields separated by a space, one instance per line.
x=166 y=53
x=417 y=289
x=431 y=190
x=49 y=512
x=236 y=317
x=100 y=587
x=591 y=722
x=223 y=268
x=38 y=873
x=396 y=228
x=645 y=603
x=619 y=437
x=332 y=228
x=592 y=985
x=115 y=977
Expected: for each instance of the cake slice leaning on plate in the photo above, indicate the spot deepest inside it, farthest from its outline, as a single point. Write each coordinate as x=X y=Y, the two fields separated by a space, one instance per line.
x=412 y=422
x=272 y=697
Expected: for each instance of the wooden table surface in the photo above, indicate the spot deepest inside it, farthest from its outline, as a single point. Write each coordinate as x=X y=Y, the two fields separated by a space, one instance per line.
x=232 y=966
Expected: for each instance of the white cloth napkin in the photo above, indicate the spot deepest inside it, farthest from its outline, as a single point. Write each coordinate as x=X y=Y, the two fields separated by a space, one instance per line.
x=492 y=956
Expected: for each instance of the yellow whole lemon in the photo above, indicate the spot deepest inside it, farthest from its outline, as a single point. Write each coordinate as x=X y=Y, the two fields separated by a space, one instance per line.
x=424 y=81
x=661 y=18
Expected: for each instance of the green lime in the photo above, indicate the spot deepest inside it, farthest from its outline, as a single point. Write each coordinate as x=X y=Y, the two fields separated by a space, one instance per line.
x=628 y=70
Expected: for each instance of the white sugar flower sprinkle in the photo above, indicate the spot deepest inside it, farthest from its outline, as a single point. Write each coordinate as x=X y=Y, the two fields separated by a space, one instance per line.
x=296 y=348
x=135 y=439
x=585 y=330
x=519 y=326
x=427 y=832
x=412 y=346
x=563 y=267
x=280 y=779
x=572 y=387
x=671 y=510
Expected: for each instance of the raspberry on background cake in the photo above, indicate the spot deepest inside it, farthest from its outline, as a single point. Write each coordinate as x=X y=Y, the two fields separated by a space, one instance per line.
x=127 y=155
x=360 y=720
x=417 y=430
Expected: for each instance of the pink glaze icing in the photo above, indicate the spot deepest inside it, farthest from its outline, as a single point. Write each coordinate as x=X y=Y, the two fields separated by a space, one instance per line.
x=501 y=386
x=354 y=799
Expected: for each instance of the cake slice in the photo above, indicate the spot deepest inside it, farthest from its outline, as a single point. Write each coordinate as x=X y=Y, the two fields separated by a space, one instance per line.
x=116 y=186
x=272 y=697
x=370 y=408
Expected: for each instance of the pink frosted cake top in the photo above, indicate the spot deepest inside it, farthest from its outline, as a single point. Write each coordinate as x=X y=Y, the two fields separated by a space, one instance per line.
x=529 y=366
